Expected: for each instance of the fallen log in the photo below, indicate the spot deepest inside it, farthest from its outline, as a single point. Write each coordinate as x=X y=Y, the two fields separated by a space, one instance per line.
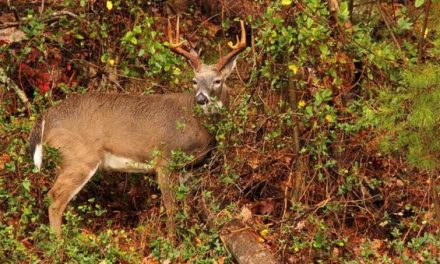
x=244 y=245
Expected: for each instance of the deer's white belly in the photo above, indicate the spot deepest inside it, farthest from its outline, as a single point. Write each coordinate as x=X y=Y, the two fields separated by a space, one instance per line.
x=113 y=162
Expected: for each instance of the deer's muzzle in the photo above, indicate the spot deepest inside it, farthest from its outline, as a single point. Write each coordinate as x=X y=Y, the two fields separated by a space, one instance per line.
x=202 y=99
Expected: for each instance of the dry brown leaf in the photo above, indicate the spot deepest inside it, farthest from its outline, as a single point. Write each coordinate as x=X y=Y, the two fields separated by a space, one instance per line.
x=400 y=183
x=376 y=244
x=300 y=226
x=335 y=253
x=149 y=260
x=212 y=29
x=253 y=162
x=266 y=207
x=4 y=158
x=11 y=35
x=245 y=214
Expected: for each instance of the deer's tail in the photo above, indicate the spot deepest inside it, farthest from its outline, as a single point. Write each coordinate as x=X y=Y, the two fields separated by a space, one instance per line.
x=36 y=142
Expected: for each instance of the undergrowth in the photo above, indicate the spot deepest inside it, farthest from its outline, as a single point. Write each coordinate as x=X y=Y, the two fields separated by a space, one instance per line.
x=331 y=141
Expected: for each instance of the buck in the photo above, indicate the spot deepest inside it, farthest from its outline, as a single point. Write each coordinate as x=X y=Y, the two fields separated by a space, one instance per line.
x=125 y=132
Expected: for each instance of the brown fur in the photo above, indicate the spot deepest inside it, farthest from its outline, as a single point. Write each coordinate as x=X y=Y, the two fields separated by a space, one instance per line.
x=126 y=125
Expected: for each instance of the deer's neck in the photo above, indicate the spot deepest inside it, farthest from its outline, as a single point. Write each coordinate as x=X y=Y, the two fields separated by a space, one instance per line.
x=224 y=96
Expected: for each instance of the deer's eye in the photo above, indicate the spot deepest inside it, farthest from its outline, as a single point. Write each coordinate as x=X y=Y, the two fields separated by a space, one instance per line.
x=217 y=82
x=194 y=82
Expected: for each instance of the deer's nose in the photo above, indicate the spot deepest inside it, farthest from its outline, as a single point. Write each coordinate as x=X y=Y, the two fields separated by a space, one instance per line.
x=201 y=99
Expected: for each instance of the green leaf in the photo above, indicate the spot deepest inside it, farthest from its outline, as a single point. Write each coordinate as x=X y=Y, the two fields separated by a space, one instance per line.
x=141 y=52
x=286 y=2
x=26 y=184
x=419 y=3
x=323 y=95
x=344 y=13
x=10 y=166
x=128 y=35
x=133 y=40
x=79 y=36
x=137 y=30
x=324 y=49
x=404 y=23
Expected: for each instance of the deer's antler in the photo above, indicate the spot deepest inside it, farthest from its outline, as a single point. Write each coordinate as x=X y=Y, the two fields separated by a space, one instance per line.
x=176 y=46
x=236 y=49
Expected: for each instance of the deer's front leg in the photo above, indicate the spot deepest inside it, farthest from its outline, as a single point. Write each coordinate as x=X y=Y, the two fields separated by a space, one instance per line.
x=167 y=188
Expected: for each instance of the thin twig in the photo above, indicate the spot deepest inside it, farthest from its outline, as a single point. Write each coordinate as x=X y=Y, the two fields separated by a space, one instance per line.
x=434 y=197
x=8 y=83
x=387 y=24
x=42 y=7
x=54 y=15
x=422 y=33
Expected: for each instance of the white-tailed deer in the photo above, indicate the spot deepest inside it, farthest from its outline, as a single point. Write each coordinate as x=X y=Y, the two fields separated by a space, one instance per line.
x=125 y=132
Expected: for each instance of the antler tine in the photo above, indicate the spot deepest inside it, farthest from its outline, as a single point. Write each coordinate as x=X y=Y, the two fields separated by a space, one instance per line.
x=170 y=34
x=175 y=45
x=178 y=29
x=236 y=44
x=236 y=49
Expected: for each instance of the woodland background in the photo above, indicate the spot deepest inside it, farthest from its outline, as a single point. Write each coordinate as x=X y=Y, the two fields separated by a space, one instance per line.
x=330 y=152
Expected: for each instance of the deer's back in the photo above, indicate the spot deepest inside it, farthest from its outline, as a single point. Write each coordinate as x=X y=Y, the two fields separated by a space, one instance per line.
x=126 y=125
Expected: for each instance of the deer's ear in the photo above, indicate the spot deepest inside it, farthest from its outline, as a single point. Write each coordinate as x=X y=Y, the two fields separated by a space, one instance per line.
x=229 y=67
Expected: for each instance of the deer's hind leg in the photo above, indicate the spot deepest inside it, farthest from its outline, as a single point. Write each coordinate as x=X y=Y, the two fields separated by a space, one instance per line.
x=167 y=186
x=76 y=170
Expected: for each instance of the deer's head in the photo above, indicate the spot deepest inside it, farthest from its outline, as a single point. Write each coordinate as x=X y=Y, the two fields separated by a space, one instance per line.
x=209 y=80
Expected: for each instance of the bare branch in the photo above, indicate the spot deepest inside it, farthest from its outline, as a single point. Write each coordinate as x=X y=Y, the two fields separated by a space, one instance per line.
x=8 y=83
x=54 y=15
